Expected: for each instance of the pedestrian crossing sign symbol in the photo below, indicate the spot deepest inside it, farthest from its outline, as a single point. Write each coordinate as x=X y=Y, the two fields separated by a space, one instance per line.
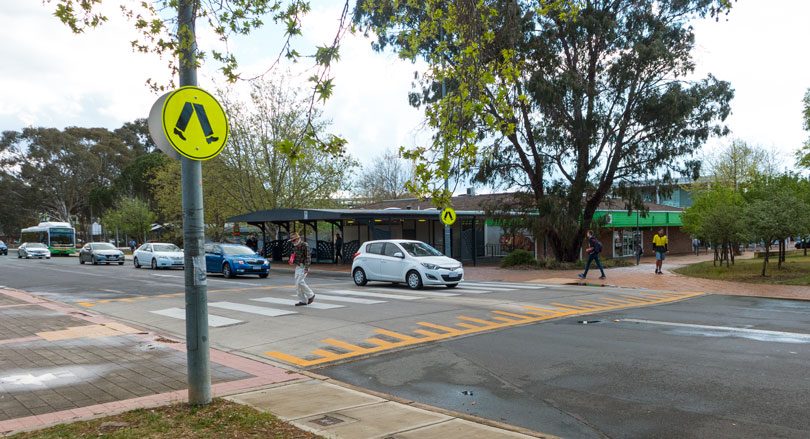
x=448 y=216
x=194 y=123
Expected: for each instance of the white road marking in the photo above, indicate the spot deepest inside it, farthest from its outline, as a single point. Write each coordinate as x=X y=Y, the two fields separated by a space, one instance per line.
x=789 y=335
x=213 y=320
x=419 y=292
x=261 y=310
x=503 y=285
x=233 y=282
x=167 y=275
x=347 y=299
x=488 y=288
x=380 y=295
x=316 y=304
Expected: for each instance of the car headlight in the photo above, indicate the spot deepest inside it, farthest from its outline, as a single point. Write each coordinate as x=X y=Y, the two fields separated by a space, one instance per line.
x=240 y=262
x=266 y=262
x=430 y=266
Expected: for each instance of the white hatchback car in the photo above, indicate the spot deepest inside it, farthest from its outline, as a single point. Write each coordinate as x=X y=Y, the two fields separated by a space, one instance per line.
x=158 y=255
x=401 y=260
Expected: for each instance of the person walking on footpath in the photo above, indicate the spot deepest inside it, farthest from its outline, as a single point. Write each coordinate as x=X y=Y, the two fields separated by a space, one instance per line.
x=301 y=258
x=593 y=250
x=660 y=246
x=339 y=249
x=696 y=246
x=639 y=250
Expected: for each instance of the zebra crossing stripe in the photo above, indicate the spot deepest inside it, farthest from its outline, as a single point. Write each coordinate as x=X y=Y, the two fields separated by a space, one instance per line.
x=346 y=299
x=504 y=285
x=420 y=292
x=261 y=310
x=316 y=305
x=483 y=288
x=380 y=295
x=213 y=320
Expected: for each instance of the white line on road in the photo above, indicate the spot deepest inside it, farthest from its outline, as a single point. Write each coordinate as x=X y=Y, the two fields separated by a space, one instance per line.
x=380 y=295
x=316 y=305
x=482 y=288
x=504 y=285
x=420 y=292
x=792 y=335
x=261 y=310
x=213 y=320
x=348 y=299
x=167 y=275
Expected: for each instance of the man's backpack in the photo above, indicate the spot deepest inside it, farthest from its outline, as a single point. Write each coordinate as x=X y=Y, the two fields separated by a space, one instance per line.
x=597 y=246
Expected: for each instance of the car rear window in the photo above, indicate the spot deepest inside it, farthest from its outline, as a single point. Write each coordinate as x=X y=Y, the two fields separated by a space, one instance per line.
x=375 y=248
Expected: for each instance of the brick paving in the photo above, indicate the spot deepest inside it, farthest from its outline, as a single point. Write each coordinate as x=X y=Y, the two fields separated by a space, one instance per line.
x=96 y=366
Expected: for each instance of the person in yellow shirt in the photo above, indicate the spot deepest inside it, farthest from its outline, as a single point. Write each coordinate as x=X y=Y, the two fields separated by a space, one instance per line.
x=660 y=243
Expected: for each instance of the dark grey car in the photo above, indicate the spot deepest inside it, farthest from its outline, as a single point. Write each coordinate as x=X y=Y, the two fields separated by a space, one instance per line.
x=101 y=253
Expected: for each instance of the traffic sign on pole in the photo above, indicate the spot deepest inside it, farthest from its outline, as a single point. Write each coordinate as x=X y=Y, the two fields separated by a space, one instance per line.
x=448 y=216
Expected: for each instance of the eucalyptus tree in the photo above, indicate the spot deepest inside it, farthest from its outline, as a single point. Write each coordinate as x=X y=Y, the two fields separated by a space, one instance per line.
x=564 y=100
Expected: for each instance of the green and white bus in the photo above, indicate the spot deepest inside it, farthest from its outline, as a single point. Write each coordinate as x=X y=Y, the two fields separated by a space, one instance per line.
x=59 y=237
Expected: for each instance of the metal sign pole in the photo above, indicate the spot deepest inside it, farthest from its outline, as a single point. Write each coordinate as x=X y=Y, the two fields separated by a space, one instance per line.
x=197 y=345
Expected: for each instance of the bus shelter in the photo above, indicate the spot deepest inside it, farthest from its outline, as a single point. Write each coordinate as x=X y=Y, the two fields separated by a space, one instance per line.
x=319 y=227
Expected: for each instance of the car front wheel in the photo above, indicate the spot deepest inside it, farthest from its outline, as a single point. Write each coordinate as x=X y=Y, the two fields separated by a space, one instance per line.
x=359 y=277
x=81 y=260
x=137 y=264
x=414 y=280
x=95 y=261
x=154 y=264
x=226 y=271
x=264 y=275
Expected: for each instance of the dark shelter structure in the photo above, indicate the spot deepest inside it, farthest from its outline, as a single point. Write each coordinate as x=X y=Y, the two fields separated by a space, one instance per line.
x=320 y=226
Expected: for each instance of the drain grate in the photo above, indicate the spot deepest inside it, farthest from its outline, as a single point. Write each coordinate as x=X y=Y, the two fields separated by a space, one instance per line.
x=327 y=421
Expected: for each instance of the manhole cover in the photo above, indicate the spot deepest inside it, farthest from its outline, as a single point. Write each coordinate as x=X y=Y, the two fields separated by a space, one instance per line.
x=326 y=421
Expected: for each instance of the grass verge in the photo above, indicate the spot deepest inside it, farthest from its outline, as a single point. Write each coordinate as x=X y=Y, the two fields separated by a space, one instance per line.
x=795 y=271
x=220 y=419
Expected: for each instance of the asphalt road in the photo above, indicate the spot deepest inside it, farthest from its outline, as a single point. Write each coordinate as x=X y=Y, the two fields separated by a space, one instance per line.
x=715 y=366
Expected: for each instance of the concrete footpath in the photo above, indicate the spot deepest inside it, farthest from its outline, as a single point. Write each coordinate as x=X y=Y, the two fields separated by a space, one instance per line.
x=59 y=364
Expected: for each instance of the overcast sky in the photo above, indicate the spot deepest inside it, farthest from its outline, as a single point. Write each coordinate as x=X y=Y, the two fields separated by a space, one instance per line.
x=52 y=78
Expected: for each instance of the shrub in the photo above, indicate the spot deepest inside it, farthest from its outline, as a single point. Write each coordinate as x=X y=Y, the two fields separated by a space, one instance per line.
x=518 y=258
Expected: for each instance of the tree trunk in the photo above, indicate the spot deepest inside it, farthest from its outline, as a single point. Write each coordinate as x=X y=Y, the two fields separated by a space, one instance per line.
x=779 y=258
x=716 y=256
x=765 y=262
x=735 y=248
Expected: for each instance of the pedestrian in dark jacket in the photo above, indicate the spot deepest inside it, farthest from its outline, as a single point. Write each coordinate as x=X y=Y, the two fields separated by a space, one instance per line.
x=593 y=250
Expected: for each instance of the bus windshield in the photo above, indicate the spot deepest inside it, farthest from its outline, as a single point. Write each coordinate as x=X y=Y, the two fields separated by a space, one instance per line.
x=62 y=236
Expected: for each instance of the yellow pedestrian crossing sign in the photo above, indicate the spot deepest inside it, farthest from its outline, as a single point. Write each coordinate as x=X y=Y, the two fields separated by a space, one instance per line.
x=191 y=122
x=448 y=216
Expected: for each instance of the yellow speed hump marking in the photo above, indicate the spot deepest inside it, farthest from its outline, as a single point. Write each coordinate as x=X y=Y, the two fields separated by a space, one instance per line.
x=448 y=216
x=194 y=123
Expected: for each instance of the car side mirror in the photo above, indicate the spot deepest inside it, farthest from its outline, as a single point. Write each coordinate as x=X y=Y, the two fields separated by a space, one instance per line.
x=399 y=255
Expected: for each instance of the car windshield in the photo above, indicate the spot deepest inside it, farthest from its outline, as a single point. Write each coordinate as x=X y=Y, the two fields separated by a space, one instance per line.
x=237 y=250
x=166 y=248
x=103 y=246
x=35 y=245
x=420 y=249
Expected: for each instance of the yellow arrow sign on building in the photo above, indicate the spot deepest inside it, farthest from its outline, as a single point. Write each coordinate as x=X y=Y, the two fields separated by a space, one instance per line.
x=194 y=123
x=448 y=216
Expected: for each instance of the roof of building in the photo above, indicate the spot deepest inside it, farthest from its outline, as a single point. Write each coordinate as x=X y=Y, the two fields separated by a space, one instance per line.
x=288 y=215
x=484 y=201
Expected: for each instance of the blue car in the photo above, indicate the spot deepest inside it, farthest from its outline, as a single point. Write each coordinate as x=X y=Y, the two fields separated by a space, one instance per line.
x=3 y=248
x=234 y=259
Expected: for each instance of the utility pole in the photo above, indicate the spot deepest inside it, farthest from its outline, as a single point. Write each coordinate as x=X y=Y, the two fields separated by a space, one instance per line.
x=197 y=343
x=448 y=247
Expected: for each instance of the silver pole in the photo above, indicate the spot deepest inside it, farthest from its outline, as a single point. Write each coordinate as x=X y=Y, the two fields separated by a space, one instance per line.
x=197 y=345
x=448 y=247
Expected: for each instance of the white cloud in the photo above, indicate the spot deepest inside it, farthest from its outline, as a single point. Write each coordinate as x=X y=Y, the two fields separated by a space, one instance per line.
x=51 y=77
